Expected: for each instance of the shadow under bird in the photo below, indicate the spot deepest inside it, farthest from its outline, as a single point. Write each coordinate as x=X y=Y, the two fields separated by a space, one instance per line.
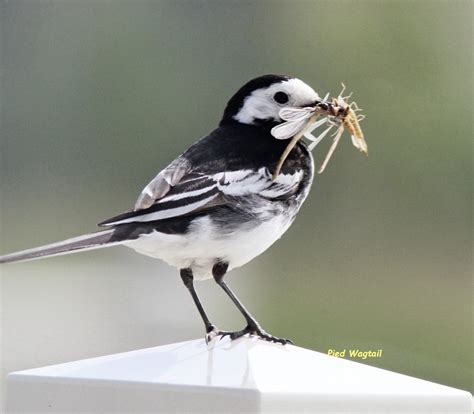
x=218 y=205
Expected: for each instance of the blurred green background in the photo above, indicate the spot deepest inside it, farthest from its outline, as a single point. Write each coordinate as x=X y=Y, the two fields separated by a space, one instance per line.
x=98 y=96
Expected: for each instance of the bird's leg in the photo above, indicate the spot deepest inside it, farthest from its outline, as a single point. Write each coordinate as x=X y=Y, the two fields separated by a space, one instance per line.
x=211 y=330
x=187 y=277
x=253 y=327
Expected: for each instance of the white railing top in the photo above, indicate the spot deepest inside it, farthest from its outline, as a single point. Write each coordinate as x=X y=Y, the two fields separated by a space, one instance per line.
x=257 y=376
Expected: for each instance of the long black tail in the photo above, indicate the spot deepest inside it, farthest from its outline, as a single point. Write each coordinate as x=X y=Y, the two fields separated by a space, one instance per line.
x=85 y=242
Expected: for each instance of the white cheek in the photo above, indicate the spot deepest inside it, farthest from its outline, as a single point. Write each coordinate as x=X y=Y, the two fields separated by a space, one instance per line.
x=256 y=107
x=260 y=104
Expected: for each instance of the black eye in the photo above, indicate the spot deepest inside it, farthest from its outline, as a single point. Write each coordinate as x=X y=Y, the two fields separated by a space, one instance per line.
x=281 y=97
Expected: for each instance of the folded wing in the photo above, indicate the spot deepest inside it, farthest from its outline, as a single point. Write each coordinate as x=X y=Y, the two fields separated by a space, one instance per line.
x=196 y=192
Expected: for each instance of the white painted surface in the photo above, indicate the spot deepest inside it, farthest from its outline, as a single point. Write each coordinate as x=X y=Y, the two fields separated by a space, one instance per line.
x=247 y=375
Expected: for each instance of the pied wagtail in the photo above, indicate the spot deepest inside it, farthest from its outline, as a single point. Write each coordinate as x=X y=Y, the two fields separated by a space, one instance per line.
x=216 y=206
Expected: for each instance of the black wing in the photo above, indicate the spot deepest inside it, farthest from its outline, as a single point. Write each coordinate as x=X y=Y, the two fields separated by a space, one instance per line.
x=197 y=192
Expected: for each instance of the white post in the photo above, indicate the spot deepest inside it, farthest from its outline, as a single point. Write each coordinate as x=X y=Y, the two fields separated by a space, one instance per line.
x=244 y=376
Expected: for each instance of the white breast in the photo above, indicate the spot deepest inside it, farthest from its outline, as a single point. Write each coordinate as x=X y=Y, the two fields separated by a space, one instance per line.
x=204 y=243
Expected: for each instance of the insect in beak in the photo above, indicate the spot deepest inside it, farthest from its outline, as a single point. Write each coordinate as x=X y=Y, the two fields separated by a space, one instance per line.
x=301 y=122
x=307 y=125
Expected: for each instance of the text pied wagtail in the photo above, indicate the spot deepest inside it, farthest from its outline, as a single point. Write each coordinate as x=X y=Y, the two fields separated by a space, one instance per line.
x=216 y=206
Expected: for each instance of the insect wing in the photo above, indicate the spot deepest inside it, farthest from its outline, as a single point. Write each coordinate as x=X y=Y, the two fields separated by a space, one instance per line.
x=316 y=124
x=288 y=129
x=295 y=114
x=359 y=143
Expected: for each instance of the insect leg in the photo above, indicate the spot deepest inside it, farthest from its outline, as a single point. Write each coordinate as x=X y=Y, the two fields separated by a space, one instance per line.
x=318 y=139
x=337 y=137
x=343 y=89
x=355 y=107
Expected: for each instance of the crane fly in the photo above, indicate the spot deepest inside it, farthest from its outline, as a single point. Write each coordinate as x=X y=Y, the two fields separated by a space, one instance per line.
x=300 y=122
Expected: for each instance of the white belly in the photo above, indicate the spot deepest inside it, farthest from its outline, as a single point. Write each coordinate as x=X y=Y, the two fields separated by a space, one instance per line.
x=202 y=245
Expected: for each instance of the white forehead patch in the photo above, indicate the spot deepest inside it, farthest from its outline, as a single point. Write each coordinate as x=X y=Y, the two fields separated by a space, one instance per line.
x=261 y=105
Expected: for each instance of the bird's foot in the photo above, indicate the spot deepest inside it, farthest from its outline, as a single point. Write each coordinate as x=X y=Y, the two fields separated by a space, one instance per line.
x=212 y=332
x=251 y=329
x=257 y=330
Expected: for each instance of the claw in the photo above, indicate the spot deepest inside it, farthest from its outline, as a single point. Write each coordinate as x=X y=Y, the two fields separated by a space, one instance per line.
x=271 y=338
x=260 y=333
x=213 y=333
x=210 y=335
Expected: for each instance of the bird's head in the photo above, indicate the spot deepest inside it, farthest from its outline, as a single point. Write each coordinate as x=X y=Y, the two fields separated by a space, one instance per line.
x=259 y=101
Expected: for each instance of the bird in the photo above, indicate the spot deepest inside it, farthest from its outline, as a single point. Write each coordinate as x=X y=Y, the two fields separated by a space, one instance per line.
x=218 y=205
